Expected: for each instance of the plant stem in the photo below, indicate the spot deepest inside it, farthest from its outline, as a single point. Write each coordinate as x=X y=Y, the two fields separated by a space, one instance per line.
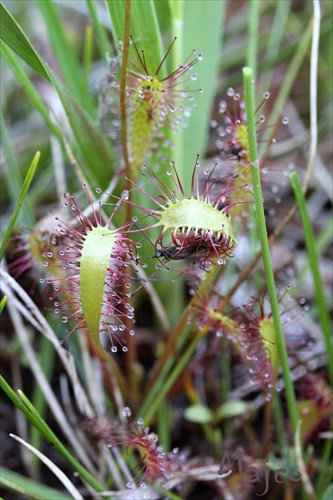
x=23 y=404
x=23 y=192
x=262 y=231
x=131 y=353
x=310 y=242
x=252 y=48
x=123 y=81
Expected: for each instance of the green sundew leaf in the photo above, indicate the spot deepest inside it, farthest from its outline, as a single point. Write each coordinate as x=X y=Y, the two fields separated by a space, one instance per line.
x=65 y=56
x=144 y=29
x=15 y=38
x=12 y=481
x=94 y=262
x=199 y=414
x=24 y=190
x=311 y=415
x=233 y=408
x=267 y=333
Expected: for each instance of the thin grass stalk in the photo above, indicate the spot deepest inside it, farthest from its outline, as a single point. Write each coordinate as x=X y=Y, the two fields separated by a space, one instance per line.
x=23 y=192
x=275 y=41
x=173 y=377
x=62 y=48
x=163 y=425
x=46 y=359
x=52 y=466
x=99 y=30
x=313 y=91
x=53 y=403
x=175 y=302
x=177 y=55
x=28 y=488
x=88 y=48
x=131 y=353
x=262 y=231
x=13 y=177
x=289 y=80
x=324 y=316
x=23 y=78
x=175 y=342
x=251 y=62
x=123 y=80
x=25 y=406
x=253 y=26
x=325 y=476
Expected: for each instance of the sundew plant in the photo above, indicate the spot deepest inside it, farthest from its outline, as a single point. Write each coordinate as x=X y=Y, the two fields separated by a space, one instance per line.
x=166 y=249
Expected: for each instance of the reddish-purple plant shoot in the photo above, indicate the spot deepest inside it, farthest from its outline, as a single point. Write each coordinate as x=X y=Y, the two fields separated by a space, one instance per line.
x=154 y=464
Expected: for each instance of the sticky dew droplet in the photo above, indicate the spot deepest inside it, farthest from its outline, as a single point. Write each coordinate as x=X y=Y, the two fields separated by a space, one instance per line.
x=126 y=411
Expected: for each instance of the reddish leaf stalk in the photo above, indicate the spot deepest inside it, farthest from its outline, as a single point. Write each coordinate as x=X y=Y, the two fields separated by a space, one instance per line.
x=130 y=359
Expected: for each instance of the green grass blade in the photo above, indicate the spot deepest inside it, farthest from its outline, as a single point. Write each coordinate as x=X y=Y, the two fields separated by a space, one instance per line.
x=253 y=26
x=262 y=232
x=310 y=242
x=178 y=368
x=13 y=176
x=15 y=38
x=25 y=406
x=95 y=149
x=144 y=29
x=64 y=53
x=299 y=55
x=46 y=358
x=29 y=87
x=88 y=48
x=13 y=481
x=209 y=42
x=3 y=302
x=275 y=41
x=52 y=466
x=24 y=190
x=99 y=30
